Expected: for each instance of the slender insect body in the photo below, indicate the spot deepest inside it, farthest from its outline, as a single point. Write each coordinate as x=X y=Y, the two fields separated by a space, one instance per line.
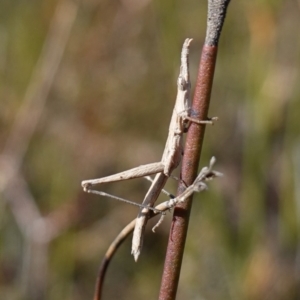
x=174 y=146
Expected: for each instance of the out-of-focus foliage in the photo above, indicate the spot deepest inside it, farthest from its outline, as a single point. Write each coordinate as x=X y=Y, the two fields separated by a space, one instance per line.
x=108 y=108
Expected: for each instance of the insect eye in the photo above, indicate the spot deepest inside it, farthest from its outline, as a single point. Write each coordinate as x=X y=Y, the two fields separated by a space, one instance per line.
x=181 y=83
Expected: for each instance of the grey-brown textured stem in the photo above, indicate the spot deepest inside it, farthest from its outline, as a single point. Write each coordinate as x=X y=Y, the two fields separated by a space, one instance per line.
x=194 y=141
x=215 y=19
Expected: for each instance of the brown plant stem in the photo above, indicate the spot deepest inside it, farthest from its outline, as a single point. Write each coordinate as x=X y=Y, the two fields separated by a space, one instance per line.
x=108 y=257
x=193 y=146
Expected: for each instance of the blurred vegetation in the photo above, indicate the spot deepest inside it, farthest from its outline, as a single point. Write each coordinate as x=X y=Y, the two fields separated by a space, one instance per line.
x=106 y=107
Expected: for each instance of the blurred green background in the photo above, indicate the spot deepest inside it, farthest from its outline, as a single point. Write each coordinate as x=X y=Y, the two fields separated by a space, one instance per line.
x=87 y=90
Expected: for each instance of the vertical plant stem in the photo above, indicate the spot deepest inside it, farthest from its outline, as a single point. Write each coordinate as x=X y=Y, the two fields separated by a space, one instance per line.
x=216 y=16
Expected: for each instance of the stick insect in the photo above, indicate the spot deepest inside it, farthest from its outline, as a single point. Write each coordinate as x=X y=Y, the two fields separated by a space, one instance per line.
x=171 y=156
